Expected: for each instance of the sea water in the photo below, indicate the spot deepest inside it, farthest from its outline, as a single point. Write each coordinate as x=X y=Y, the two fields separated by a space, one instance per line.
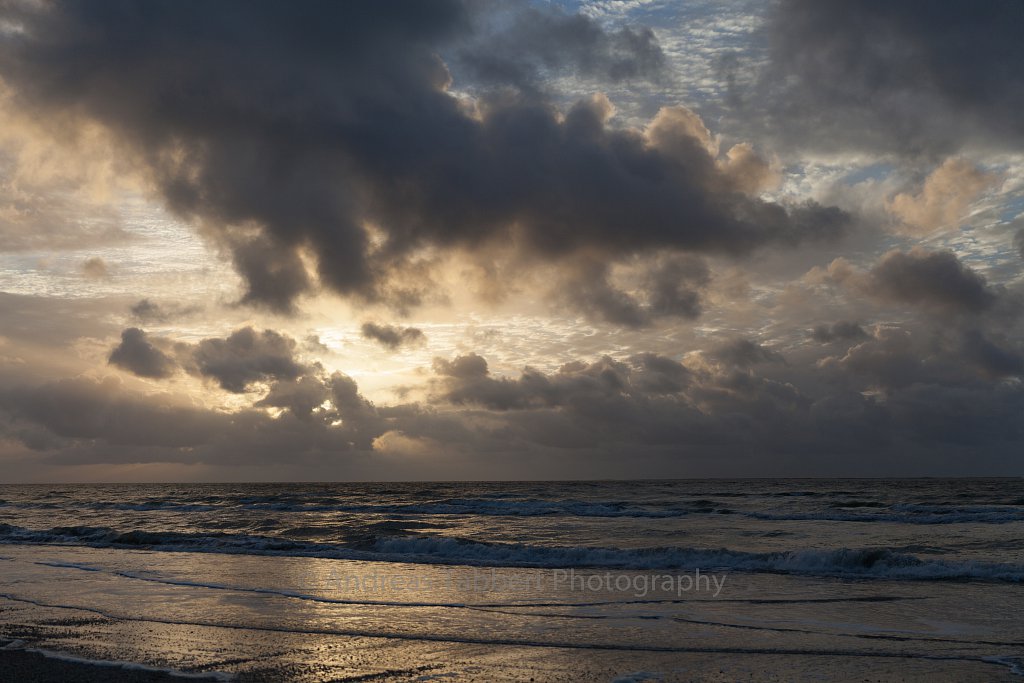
x=628 y=580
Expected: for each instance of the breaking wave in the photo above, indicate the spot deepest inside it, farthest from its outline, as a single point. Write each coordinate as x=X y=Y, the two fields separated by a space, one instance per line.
x=872 y=563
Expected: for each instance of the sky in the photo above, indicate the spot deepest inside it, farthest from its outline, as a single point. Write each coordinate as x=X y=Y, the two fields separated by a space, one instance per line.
x=270 y=241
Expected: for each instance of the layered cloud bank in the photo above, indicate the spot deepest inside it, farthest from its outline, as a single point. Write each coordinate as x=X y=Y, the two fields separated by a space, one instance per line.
x=469 y=239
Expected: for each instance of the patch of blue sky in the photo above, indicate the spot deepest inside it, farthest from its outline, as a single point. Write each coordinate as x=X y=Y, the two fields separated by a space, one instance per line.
x=877 y=171
x=1012 y=209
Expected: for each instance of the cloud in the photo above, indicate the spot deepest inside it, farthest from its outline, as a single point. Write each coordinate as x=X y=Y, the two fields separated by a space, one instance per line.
x=691 y=410
x=936 y=279
x=936 y=282
x=85 y=421
x=90 y=409
x=743 y=353
x=246 y=356
x=671 y=286
x=895 y=359
x=274 y=273
x=996 y=359
x=462 y=367
x=53 y=324
x=648 y=401
x=891 y=360
x=149 y=311
x=838 y=331
x=334 y=164
x=588 y=290
x=517 y=44
x=467 y=380
x=944 y=199
x=40 y=209
x=391 y=336
x=137 y=354
x=750 y=173
x=385 y=154
x=146 y=310
x=301 y=396
x=95 y=268
x=890 y=399
x=905 y=76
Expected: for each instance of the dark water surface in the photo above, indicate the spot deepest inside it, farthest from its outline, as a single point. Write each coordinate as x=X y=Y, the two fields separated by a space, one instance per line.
x=903 y=578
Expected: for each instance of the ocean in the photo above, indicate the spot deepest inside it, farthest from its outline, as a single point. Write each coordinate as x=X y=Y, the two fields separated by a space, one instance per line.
x=804 y=579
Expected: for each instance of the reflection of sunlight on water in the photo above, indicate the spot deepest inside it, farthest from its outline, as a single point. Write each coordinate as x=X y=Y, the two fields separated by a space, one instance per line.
x=300 y=619
x=311 y=618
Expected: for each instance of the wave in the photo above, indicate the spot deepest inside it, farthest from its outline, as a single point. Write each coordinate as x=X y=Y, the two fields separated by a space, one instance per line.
x=141 y=506
x=877 y=563
x=842 y=562
x=902 y=514
x=488 y=507
x=507 y=508
x=797 y=505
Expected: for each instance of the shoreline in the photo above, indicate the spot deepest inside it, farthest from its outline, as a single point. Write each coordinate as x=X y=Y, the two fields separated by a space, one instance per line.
x=43 y=666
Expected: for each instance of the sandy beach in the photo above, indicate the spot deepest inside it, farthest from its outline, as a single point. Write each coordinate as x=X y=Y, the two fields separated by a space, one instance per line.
x=21 y=665
x=258 y=618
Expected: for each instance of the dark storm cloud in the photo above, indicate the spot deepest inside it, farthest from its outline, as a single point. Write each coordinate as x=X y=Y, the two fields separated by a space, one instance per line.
x=996 y=359
x=588 y=290
x=913 y=75
x=274 y=273
x=462 y=367
x=83 y=421
x=902 y=397
x=936 y=279
x=329 y=403
x=672 y=287
x=956 y=358
x=891 y=360
x=89 y=409
x=301 y=396
x=246 y=356
x=614 y=406
x=654 y=374
x=137 y=354
x=391 y=336
x=743 y=353
x=285 y=129
x=839 y=331
x=467 y=380
x=1018 y=241
x=646 y=401
x=242 y=358
x=514 y=44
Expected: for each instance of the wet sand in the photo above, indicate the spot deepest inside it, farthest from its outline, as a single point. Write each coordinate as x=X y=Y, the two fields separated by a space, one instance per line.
x=21 y=665
x=291 y=619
